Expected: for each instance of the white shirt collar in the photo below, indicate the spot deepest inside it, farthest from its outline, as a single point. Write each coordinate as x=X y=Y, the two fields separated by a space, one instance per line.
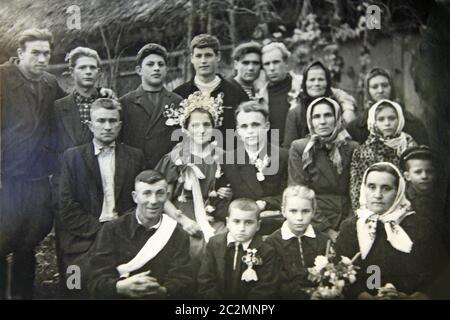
x=156 y=226
x=287 y=234
x=230 y=239
x=253 y=155
x=98 y=147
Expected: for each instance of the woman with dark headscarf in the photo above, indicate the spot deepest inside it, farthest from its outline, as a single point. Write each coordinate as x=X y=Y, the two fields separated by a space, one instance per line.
x=316 y=82
x=321 y=161
x=378 y=85
x=388 y=236
x=386 y=143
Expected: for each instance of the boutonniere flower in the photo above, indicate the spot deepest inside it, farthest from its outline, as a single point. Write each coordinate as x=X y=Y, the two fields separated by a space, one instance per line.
x=209 y=209
x=260 y=166
x=251 y=259
x=172 y=115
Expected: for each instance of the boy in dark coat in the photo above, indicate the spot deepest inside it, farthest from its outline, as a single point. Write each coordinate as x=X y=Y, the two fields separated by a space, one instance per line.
x=238 y=264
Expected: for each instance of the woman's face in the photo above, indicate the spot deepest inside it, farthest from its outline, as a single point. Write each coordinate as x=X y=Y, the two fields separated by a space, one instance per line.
x=323 y=120
x=379 y=88
x=380 y=191
x=200 y=127
x=316 y=82
x=386 y=121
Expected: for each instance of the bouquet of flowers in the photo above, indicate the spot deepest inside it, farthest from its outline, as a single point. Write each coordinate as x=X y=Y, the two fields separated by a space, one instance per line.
x=331 y=277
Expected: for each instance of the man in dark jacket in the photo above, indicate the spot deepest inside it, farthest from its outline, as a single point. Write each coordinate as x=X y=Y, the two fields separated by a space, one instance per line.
x=143 y=254
x=26 y=99
x=257 y=169
x=96 y=183
x=144 y=123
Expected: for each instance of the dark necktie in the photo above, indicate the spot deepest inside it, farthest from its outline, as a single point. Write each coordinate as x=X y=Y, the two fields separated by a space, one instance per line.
x=236 y=252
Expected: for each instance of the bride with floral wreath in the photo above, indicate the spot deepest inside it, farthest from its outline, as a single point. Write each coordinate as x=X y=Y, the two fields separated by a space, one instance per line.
x=192 y=168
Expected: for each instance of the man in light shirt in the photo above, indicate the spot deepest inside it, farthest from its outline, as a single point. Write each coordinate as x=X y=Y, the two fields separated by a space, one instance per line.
x=205 y=58
x=96 y=182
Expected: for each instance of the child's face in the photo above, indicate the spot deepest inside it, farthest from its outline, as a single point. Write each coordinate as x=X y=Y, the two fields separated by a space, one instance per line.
x=386 y=120
x=242 y=224
x=298 y=213
x=420 y=174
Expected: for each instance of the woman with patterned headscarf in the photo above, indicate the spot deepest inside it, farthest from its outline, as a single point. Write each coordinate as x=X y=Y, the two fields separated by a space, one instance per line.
x=378 y=85
x=321 y=161
x=386 y=142
x=389 y=241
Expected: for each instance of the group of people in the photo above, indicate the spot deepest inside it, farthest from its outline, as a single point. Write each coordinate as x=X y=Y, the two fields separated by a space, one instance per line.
x=221 y=189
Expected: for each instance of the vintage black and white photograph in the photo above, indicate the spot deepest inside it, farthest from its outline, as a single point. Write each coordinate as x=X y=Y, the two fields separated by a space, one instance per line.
x=241 y=150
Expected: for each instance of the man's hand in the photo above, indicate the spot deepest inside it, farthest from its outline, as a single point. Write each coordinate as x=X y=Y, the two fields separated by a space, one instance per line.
x=108 y=93
x=140 y=286
x=225 y=193
x=190 y=226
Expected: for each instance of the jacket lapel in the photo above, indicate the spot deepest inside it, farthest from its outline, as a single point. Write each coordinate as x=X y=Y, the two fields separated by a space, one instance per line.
x=122 y=165
x=142 y=101
x=92 y=165
x=220 y=253
x=158 y=110
x=248 y=174
x=72 y=122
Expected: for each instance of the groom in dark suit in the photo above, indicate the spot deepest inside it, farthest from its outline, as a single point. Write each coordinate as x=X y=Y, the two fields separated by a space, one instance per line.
x=257 y=169
x=96 y=182
x=144 y=124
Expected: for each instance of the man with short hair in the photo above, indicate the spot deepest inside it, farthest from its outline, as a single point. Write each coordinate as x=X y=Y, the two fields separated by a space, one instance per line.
x=96 y=183
x=205 y=57
x=72 y=113
x=143 y=254
x=144 y=124
x=247 y=63
x=257 y=169
x=27 y=96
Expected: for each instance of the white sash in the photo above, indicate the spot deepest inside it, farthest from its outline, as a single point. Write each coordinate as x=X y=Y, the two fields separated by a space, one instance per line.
x=199 y=207
x=152 y=247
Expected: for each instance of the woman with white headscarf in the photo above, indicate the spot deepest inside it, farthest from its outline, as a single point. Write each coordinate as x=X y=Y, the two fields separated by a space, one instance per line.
x=386 y=142
x=389 y=241
x=321 y=161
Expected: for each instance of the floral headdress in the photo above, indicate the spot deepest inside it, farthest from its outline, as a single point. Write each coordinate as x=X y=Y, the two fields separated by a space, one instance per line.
x=197 y=100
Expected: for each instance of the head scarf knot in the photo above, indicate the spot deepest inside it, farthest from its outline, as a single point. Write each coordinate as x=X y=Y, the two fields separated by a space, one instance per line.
x=333 y=143
x=399 y=141
x=366 y=224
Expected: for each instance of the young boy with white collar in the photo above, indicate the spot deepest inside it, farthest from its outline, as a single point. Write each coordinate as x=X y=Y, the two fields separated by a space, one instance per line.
x=297 y=243
x=238 y=264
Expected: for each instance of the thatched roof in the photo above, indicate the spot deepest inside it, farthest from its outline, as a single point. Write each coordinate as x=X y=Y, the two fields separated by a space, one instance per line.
x=134 y=16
